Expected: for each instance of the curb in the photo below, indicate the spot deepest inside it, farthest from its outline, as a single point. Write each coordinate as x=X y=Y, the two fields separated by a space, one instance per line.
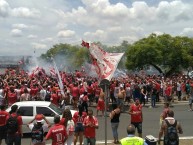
x=110 y=141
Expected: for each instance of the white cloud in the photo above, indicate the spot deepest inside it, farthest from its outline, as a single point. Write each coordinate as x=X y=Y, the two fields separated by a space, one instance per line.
x=4 y=8
x=25 y=12
x=19 y=26
x=32 y=36
x=16 y=33
x=61 y=26
x=66 y=33
x=187 y=32
x=39 y=45
x=110 y=23
x=49 y=39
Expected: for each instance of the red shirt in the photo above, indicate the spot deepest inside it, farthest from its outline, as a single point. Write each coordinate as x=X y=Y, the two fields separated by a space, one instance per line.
x=34 y=91
x=62 y=121
x=168 y=91
x=58 y=134
x=97 y=92
x=3 y=116
x=79 y=119
x=157 y=86
x=89 y=90
x=89 y=131
x=19 y=121
x=82 y=90
x=137 y=117
x=12 y=98
x=75 y=92
x=55 y=99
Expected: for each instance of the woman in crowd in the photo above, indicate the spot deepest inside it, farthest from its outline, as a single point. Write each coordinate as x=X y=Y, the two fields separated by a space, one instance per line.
x=78 y=118
x=114 y=116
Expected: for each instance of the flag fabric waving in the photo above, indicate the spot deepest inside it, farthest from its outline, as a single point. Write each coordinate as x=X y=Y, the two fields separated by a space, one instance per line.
x=58 y=78
x=105 y=63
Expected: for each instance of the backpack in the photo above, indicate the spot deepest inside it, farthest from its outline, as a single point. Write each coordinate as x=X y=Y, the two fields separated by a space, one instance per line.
x=37 y=134
x=70 y=127
x=48 y=96
x=171 y=137
x=12 y=124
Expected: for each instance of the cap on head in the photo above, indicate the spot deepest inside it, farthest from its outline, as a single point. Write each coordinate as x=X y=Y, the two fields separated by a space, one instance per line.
x=39 y=118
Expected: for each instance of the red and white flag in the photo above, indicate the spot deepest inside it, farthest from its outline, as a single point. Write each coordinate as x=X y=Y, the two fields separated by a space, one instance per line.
x=105 y=63
x=53 y=72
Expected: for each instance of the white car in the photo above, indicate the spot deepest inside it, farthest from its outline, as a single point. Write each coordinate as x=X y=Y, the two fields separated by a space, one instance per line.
x=28 y=110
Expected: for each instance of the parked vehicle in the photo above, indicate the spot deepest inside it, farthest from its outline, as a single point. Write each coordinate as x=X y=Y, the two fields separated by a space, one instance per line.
x=28 y=110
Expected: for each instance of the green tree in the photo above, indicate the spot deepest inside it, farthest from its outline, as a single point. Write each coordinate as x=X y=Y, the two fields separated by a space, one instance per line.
x=166 y=53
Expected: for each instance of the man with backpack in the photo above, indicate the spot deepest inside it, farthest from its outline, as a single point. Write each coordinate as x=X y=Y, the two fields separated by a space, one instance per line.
x=170 y=128
x=3 y=129
x=38 y=129
x=14 y=127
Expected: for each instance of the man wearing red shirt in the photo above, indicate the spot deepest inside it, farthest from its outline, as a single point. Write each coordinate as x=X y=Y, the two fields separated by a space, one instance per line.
x=11 y=96
x=91 y=124
x=57 y=132
x=3 y=116
x=34 y=91
x=75 y=94
x=90 y=92
x=55 y=98
x=168 y=93
x=15 y=137
x=135 y=111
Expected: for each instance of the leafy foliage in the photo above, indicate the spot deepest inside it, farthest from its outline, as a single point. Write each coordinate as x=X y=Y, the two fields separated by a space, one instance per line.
x=166 y=53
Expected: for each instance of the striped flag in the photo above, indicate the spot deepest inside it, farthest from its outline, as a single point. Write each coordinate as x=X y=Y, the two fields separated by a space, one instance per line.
x=59 y=78
x=105 y=63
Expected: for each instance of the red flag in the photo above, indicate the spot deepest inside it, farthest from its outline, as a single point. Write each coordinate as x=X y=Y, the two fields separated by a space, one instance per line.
x=85 y=44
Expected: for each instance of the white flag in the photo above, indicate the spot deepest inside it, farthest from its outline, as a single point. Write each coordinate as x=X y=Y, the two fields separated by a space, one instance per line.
x=105 y=63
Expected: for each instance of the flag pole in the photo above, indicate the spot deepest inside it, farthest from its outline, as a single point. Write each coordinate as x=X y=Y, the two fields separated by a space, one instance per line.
x=105 y=86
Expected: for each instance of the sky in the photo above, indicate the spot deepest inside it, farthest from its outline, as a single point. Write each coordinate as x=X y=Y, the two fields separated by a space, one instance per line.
x=36 y=25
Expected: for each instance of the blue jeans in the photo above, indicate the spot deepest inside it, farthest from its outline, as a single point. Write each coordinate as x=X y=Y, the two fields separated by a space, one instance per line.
x=14 y=139
x=92 y=141
x=120 y=102
x=114 y=127
x=153 y=99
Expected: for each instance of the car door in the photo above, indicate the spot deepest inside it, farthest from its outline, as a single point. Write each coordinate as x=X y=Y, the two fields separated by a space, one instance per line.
x=47 y=112
x=27 y=115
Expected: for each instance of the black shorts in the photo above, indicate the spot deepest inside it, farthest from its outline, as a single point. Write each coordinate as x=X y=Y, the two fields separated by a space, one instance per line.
x=79 y=128
x=138 y=125
x=3 y=132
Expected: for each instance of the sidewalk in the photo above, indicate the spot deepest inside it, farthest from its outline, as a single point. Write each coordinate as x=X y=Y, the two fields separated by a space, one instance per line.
x=182 y=142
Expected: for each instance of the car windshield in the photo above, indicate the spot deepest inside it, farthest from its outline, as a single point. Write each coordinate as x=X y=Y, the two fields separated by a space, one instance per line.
x=56 y=109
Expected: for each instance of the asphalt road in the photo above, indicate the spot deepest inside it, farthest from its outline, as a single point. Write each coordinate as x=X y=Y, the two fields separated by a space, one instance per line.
x=150 y=123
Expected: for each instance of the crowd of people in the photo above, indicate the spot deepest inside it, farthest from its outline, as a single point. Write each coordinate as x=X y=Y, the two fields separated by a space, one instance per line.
x=78 y=87
x=82 y=91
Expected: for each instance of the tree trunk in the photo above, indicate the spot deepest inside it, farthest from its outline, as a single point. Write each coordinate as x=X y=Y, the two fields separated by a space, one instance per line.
x=157 y=68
